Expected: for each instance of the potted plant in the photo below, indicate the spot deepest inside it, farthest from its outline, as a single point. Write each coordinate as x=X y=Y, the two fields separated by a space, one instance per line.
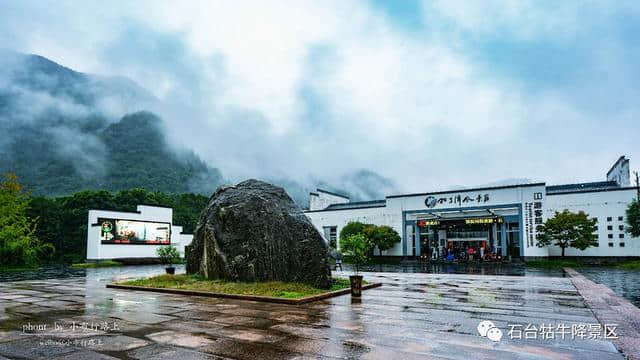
x=356 y=247
x=169 y=255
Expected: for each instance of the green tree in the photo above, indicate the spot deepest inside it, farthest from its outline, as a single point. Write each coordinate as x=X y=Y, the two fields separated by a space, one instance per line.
x=18 y=244
x=356 y=247
x=568 y=229
x=383 y=237
x=633 y=218
x=352 y=228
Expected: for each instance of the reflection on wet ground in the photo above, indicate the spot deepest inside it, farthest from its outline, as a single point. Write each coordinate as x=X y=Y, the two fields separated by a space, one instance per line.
x=625 y=283
x=512 y=269
x=412 y=315
x=62 y=272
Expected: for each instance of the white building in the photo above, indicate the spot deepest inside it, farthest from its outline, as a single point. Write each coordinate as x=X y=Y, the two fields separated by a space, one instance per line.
x=502 y=219
x=133 y=235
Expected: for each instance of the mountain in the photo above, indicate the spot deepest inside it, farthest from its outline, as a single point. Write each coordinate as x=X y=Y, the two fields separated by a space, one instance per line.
x=63 y=131
x=66 y=131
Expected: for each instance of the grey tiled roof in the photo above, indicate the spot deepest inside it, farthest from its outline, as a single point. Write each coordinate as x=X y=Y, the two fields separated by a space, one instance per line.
x=357 y=204
x=590 y=186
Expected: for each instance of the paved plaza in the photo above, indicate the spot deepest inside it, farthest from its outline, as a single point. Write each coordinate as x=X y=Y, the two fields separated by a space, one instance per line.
x=412 y=316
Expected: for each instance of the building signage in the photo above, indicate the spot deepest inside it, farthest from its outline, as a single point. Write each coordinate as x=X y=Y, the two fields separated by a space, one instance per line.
x=432 y=201
x=483 y=221
x=533 y=221
x=425 y=223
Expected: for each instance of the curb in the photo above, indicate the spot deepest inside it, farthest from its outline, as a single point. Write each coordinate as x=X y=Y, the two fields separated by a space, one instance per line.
x=268 y=299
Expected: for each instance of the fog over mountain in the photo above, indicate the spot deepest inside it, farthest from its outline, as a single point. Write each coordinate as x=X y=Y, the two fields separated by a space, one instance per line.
x=66 y=131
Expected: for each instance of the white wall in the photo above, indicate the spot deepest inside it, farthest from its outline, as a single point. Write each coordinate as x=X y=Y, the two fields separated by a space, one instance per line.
x=321 y=199
x=600 y=205
x=391 y=214
x=374 y=215
x=98 y=251
x=503 y=196
x=620 y=172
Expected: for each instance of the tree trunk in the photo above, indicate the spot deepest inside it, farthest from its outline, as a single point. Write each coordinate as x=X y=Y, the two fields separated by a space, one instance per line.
x=563 y=251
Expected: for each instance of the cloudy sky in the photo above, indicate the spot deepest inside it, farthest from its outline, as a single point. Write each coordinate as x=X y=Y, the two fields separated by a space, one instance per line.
x=429 y=94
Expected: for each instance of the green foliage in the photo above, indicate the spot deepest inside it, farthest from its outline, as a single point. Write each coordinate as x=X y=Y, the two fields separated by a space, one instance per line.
x=633 y=218
x=168 y=255
x=630 y=265
x=352 y=228
x=18 y=244
x=383 y=237
x=99 y=264
x=568 y=229
x=268 y=288
x=357 y=248
x=554 y=264
x=127 y=154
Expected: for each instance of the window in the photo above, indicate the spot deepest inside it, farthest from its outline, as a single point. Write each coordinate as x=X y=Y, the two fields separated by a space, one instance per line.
x=621 y=244
x=537 y=196
x=620 y=218
x=595 y=219
x=596 y=227
x=597 y=244
x=621 y=236
x=609 y=227
x=331 y=235
x=609 y=218
x=610 y=244
x=610 y=236
x=621 y=227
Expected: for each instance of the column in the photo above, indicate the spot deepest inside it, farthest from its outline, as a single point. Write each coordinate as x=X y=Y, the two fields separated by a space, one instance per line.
x=503 y=234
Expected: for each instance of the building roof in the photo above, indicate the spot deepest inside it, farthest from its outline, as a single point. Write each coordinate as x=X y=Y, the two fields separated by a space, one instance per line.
x=353 y=205
x=332 y=193
x=582 y=187
x=500 y=187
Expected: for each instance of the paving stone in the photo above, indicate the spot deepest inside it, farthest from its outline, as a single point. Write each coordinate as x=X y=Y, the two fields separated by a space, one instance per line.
x=118 y=343
x=163 y=352
x=31 y=348
x=84 y=355
x=246 y=350
x=144 y=318
x=171 y=337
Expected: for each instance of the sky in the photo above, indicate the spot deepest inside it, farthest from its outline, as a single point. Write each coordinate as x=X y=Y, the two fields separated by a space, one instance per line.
x=431 y=95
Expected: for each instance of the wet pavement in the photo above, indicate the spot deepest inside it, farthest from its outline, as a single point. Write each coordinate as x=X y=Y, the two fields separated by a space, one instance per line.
x=413 y=315
x=625 y=283
x=609 y=308
x=475 y=268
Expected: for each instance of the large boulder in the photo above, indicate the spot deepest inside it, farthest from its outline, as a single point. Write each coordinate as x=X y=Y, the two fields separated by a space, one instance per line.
x=254 y=232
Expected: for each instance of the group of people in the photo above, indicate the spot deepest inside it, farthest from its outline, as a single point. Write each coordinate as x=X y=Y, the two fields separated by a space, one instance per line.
x=466 y=253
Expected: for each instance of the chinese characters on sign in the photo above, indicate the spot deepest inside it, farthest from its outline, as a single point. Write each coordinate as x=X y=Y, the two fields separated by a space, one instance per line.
x=491 y=220
x=425 y=223
x=432 y=201
x=532 y=221
x=562 y=331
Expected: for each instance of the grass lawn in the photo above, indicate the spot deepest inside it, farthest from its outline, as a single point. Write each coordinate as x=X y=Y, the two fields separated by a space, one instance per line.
x=554 y=264
x=105 y=263
x=271 y=288
x=629 y=265
x=16 y=268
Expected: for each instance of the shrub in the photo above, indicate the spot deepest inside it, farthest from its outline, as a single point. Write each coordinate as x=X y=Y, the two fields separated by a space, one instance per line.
x=168 y=255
